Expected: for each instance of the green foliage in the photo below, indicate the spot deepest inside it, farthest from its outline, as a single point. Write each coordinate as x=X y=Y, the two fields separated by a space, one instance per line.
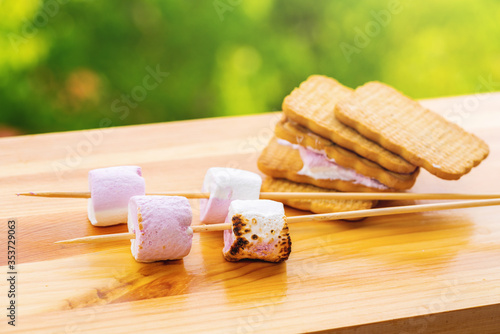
x=66 y=65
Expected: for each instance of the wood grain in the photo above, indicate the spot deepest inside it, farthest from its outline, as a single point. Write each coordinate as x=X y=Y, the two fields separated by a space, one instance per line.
x=414 y=273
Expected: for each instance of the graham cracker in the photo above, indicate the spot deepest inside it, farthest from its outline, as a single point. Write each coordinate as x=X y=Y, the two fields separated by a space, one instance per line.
x=312 y=105
x=404 y=127
x=297 y=134
x=284 y=162
x=317 y=205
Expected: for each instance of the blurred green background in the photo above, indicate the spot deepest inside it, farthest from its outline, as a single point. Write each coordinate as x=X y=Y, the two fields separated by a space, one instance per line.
x=70 y=64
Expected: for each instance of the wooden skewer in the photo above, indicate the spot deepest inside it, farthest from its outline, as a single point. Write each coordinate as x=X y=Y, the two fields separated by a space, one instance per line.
x=297 y=195
x=128 y=235
x=58 y=194
x=95 y=239
x=394 y=210
x=316 y=217
x=374 y=196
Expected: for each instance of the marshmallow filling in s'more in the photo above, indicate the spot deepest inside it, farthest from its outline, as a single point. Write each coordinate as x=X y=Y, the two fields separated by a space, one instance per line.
x=162 y=227
x=318 y=166
x=259 y=231
x=110 y=190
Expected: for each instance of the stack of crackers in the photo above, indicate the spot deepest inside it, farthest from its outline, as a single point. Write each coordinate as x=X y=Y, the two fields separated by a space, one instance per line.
x=372 y=138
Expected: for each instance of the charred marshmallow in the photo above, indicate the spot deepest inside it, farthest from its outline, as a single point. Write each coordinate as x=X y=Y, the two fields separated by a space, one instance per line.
x=259 y=231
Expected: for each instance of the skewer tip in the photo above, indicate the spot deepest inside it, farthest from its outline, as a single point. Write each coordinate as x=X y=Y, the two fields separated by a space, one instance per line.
x=70 y=241
x=67 y=242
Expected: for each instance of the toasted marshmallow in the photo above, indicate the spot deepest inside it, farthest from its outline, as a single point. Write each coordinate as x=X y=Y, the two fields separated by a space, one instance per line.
x=259 y=231
x=110 y=190
x=162 y=227
x=224 y=186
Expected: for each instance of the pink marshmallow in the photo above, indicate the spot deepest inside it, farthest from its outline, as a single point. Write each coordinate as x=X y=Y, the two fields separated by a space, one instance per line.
x=224 y=186
x=259 y=231
x=162 y=227
x=110 y=190
x=317 y=165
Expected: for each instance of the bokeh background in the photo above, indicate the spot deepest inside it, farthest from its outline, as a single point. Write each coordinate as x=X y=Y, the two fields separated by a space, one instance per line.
x=70 y=64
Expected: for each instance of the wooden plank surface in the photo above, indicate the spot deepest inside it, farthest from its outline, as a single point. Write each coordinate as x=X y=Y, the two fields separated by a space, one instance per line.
x=418 y=273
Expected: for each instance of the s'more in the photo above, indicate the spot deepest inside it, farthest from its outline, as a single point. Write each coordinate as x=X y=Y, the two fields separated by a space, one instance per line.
x=312 y=147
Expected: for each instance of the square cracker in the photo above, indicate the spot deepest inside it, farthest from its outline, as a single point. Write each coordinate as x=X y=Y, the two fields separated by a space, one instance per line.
x=312 y=105
x=404 y=127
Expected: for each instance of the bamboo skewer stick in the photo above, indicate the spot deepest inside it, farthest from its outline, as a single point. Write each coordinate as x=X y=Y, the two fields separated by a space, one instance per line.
x=316 y=217
x=129 y=235
x=58 y=194
x=394 y=210
x=291 y=195
x=374 y=196
x=95 y=239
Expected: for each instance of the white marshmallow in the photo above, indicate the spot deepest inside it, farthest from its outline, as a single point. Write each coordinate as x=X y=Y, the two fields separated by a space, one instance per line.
x=110 y=190
x=224 y=186
x=318 y=166
x=259 y=231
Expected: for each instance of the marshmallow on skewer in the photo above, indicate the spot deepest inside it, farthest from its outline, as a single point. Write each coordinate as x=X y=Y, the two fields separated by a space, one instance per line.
x=110 y=189
x=224 y=186
x=259 y=231
x=162 y=227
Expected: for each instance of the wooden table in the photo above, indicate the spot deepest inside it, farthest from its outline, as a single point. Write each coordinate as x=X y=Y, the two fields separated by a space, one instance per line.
x=416 y=273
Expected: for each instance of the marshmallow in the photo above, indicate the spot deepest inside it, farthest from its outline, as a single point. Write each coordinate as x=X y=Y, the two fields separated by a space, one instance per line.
x=162 y=227
x=318 y=166
x=259 y=231
x=110 y=191
x=224 y=186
